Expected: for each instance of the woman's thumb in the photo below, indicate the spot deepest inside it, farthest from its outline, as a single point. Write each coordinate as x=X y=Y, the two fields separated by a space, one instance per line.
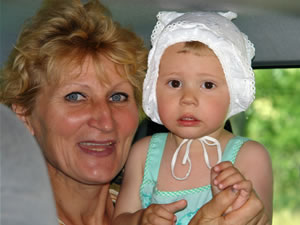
x=218 y=205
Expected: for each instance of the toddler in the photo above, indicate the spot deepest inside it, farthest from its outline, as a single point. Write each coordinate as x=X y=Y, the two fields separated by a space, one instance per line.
x=199 y=75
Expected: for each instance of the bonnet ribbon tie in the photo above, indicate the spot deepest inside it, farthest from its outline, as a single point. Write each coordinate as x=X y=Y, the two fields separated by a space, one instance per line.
x=206 y=140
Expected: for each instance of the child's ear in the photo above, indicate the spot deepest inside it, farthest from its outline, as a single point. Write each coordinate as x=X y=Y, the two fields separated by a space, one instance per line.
x=20 y=112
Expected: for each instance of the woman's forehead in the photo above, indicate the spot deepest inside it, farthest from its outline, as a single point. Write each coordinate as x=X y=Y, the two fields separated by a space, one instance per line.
x=104 y=69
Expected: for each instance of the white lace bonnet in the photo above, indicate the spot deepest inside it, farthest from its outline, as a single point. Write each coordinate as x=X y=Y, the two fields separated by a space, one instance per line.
x=216 y=30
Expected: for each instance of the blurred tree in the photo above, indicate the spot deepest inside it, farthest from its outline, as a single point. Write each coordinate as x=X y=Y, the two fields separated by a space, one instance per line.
x=274 y=120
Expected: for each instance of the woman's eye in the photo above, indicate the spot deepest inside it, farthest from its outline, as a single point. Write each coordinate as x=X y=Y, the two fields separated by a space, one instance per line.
x=119 y=97
x=74 y=96
x=208 y=85
x=175 y=83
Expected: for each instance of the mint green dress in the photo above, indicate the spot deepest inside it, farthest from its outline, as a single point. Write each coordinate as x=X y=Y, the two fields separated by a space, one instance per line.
x=195 y=197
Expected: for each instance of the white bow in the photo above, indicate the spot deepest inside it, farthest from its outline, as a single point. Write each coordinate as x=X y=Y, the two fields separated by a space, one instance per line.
x=204 y=140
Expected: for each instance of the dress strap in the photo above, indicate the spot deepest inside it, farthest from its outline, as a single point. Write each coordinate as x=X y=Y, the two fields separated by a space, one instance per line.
x=233 y=147
x=154 y=155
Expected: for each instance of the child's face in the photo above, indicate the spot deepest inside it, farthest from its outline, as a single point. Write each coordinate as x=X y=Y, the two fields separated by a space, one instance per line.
x=192 y=93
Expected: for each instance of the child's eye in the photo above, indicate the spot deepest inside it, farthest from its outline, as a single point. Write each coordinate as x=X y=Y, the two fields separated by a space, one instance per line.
x=74 y=97
x=119 y=97
x=175 y=83
x=208 y=85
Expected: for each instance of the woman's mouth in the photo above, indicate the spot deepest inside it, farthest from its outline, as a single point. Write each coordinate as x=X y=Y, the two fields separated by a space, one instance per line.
x=97 y=148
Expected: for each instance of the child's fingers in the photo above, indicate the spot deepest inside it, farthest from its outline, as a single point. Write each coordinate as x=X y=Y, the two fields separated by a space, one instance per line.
x=163 y=214
x=224 y=174
x=159 y=211
x=229 y=181
x=243 y=186
x=157 y=214
x=175 y=206
x=214 y=188
x=216 y=171
x=213 y=174
x=228 y=178
x=221 y=166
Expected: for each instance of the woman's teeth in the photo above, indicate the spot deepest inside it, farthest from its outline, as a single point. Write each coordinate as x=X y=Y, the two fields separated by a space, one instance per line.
x=99 y=147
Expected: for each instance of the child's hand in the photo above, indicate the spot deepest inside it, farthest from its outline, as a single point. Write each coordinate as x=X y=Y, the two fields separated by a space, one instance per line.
x=162 y=214
x=226 y=175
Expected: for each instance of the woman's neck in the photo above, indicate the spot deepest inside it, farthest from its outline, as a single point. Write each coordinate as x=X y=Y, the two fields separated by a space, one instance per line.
x=80 y=204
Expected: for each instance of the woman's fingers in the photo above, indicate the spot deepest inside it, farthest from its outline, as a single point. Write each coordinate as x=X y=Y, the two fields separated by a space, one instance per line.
x=252 y=212
x=212 y=212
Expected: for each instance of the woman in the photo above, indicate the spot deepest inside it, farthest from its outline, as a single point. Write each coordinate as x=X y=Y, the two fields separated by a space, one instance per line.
x=75 y=78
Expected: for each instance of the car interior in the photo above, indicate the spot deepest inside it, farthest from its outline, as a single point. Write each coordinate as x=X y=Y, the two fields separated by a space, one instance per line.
x=274 y=28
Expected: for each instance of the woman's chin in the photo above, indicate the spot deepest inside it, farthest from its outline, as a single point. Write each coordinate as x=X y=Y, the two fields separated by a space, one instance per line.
x=105 y=176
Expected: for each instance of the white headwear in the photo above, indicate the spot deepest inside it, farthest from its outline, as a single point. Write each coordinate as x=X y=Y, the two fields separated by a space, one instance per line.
x=231 y=46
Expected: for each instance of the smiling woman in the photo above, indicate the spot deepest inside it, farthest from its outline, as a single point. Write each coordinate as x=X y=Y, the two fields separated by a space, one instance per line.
x=73 y=78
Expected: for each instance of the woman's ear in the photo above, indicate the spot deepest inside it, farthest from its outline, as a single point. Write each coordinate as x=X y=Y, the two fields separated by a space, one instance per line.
x=20 y=112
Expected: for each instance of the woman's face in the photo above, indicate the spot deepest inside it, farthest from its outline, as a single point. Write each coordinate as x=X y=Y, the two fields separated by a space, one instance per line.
x=85 y=127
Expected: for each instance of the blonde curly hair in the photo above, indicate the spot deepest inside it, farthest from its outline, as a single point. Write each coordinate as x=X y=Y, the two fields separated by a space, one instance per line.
x=65 y=32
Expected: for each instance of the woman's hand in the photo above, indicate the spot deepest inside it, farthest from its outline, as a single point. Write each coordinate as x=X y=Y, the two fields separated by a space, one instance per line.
x=226 y=175
x=212 y=213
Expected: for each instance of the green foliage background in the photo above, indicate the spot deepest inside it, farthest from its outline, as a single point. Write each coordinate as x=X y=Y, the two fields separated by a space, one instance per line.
x=274 y=120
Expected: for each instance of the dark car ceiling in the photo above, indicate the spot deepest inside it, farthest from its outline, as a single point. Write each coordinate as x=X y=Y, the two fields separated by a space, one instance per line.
x=272 y=25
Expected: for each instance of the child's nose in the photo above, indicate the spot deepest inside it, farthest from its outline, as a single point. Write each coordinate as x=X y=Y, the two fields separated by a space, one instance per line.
x=189 y=97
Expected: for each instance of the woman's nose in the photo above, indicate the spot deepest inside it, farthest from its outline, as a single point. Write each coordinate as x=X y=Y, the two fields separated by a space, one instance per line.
x=189 y=96
x=102 y=117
